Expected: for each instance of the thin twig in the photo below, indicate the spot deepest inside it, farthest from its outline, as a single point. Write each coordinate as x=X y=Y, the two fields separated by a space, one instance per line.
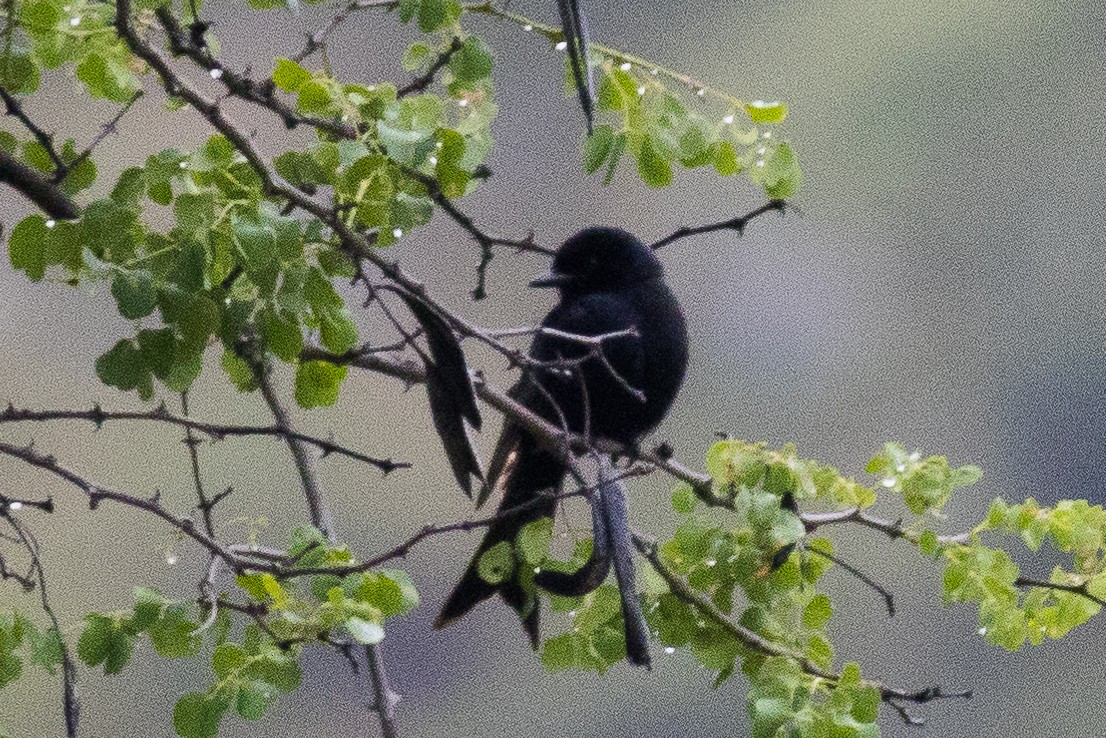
x=1076 y=589
x=107 y=130
x=876 y=586
x=71 y=705
x=215 y=431
x=733 y=224
x=426 y=79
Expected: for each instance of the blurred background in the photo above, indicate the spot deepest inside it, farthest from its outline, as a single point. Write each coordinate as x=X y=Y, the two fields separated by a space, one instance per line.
x=941 y=286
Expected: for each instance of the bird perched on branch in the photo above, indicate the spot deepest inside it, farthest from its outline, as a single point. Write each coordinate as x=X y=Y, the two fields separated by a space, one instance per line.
x=617 y=386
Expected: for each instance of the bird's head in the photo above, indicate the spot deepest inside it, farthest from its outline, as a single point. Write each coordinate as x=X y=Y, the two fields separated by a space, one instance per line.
x=601 y=259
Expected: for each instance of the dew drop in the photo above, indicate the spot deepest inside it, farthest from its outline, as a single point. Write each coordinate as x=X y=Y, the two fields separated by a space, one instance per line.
x=767 y=134
x=915 y=456
x=537 y=570
x=572 y=613
x=728 y=120
x=528 y=27
x=655 y=72
x=216 y=73
x=561 y=45
x=760 y=163
x=711 y=562
x=75 y=21
x=433 y=161
x=670 y=650
x=625 y=66
x=700 y=92
x=900 y=468
x=761 y=150
x=397 y=232
x=15 y=506
x=983 y=630
x=51 y=223
x=463 y=102
x=171 y=560
x=888 y=482
x=641 y=90
x=183 y=165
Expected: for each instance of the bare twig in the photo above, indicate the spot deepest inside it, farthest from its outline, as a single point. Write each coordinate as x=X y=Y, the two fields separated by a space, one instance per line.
x=107 y=130
x=733 y=224
x=879 y=589
x=215 y=431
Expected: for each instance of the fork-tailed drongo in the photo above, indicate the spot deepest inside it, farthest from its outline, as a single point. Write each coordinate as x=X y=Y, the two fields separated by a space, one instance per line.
x=610 y=283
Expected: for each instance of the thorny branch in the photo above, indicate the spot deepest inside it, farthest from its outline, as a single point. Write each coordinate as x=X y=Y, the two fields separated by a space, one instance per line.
x=733 y=224
x=214 y=431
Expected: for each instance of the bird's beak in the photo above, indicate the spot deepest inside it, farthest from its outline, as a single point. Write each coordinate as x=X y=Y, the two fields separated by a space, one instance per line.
x=552 y=280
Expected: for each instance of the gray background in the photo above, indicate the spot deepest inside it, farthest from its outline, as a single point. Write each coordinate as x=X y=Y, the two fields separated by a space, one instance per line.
x=941 y=287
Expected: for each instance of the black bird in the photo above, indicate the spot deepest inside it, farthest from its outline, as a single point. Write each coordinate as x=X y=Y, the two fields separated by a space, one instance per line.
x=609 y=282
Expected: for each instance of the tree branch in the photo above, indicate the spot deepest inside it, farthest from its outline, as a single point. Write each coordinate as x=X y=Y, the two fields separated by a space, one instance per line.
x=755 y=642
x=71 y=705
x=733 y=224
x=215 y=431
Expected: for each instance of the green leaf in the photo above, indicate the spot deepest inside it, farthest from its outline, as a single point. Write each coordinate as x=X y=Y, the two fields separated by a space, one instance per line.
x=534 y=539
x=253 y=700
x=227 y=659
x=108 y=76
x=684 y=500
x=318 y=383
x=289 y=76
x=654 y=169
x=125 y=368
x=27 y=246
x=283 y=335
x=781 y=173
x=817 y=612
x=617 y=91
x=277 y=669
x=134 y=293
x=103 y=641
x=18 y=73
x=174 y=635
x=197 y=715
x=725 y=159
x=760 y=111
x=497 y=563
x=597 y=147
x=434 y=14
x=364 y=631
x=46 y=650
x=389 y=590
x=11 y=667
x=472 y=62
x=238 y=371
